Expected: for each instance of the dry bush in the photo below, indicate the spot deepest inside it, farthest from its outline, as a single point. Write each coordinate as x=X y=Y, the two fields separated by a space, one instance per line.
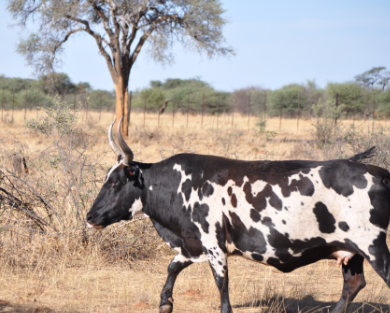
x=45 y=209
x=47 y=255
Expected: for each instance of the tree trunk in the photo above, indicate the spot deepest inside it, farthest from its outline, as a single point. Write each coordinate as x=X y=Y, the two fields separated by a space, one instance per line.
x=121 y=107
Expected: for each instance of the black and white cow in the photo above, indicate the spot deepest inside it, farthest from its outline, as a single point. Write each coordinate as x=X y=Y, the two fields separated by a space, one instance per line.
x=286 y=214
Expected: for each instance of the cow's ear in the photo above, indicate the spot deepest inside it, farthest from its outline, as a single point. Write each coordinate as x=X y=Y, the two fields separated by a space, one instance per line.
x=132 y=172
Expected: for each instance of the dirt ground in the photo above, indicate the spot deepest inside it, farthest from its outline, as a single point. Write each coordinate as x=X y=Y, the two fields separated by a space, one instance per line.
x=81 y=282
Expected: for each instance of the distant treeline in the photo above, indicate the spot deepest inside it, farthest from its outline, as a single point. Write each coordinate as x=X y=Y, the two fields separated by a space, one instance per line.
x=368 y=94
x=30 y=93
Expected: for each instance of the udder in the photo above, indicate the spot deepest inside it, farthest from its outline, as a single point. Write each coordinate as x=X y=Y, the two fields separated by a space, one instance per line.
x=343 y=256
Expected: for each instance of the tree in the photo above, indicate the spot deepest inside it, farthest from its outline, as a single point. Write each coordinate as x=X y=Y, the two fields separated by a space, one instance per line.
x=376 y=75
x=57 y=83
x=286 y=99
x=350 y=94
x=121 y=29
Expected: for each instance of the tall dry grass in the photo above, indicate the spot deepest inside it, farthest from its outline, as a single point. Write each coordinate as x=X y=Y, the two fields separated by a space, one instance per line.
x=49 y=262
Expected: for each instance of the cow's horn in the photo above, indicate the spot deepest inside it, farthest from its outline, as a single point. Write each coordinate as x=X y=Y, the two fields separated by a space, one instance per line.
x=113 y=145
x=128 y=154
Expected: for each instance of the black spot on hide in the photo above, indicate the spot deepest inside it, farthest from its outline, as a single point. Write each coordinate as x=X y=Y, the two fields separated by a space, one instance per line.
x=230 y=191
x=267 y=221
x=186 y=189
x=343 y=226
x=342 y=176
x=255 y=216
x=260 y=201
x=273 y=261
x=380 y=251
x=223 y=201
x=257 y=257
x=380 y=200
x=207 y=189
x=233 y=200
x=220 y=231
x=325 y=219
x=304 y=185
x=251 y=239
x=200 y=214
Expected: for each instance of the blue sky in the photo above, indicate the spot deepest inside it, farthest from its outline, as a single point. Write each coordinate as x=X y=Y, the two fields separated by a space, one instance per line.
x=276 y=43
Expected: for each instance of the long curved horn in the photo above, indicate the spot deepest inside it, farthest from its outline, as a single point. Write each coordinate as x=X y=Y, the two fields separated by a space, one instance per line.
x=113 y=145
x=128 y=154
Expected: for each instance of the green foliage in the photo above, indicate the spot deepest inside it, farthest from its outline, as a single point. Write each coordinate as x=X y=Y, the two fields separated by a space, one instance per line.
x=326 y=127
x=184 y=94
x=18 y=92
x=351 y=95
x=286 y=99
x=56 y=83
x=60 y=118
x=150 y=98
x=376 y=75
x=384 y=102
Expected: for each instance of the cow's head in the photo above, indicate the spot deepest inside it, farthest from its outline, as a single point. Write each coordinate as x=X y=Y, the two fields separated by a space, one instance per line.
x=120 y=197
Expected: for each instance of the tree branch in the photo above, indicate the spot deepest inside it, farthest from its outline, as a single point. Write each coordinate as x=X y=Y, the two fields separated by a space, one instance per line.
x=149 y=31
x=99 y=39
x=59 y=44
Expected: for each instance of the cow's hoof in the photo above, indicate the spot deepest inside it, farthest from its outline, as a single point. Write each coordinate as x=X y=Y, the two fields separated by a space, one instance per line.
x=166 y=308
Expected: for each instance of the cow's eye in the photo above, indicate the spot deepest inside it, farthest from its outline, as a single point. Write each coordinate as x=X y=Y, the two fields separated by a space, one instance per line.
x=115 y=183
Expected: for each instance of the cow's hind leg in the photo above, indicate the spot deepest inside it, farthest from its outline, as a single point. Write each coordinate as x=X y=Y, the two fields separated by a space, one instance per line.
x=381 y=260
x=353 y=282
x=218 y=263
x=178 y=263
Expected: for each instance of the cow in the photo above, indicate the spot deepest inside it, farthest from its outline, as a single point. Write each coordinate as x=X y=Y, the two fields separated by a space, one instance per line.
x=286 y=214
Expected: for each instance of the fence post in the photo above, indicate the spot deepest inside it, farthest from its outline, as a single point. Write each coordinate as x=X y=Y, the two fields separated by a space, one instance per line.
x=265 y=110
x=337 y=104
x=144 y=108
x=13 y=104
x=129 y=110
x=173 y=110
x=25 y=105
x=188 y=107
x=75 y=101
x=87 y=107
x=2 y=107
x=100 y=105
x=158 y=119
x=202 y=109
x=280 y=112
x=233 y=110
x=373 y=115
x=218 y=110
x=38 y=103
x=299 y=113
x=249 y=107
x=354 y=111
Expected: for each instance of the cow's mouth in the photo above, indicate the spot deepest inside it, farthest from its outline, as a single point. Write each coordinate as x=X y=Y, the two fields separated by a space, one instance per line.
x=94 y=225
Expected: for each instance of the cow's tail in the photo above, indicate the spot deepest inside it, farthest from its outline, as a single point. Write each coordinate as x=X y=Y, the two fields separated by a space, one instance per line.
x=361 y=157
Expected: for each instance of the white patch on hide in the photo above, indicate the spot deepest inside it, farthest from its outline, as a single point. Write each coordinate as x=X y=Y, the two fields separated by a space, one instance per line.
x=184 y=177
x=137 y=206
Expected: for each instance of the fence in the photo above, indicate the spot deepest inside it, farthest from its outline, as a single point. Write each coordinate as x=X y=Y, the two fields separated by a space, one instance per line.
x=191 y=105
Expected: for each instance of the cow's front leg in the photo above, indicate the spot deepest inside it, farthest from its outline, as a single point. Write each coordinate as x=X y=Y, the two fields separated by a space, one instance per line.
x=218 y=263
x=178 y=264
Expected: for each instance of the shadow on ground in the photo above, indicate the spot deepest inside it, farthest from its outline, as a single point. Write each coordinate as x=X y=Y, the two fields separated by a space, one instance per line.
x=308 y=304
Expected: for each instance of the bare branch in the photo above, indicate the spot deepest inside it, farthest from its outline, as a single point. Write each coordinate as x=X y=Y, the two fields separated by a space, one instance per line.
x=99 y=39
